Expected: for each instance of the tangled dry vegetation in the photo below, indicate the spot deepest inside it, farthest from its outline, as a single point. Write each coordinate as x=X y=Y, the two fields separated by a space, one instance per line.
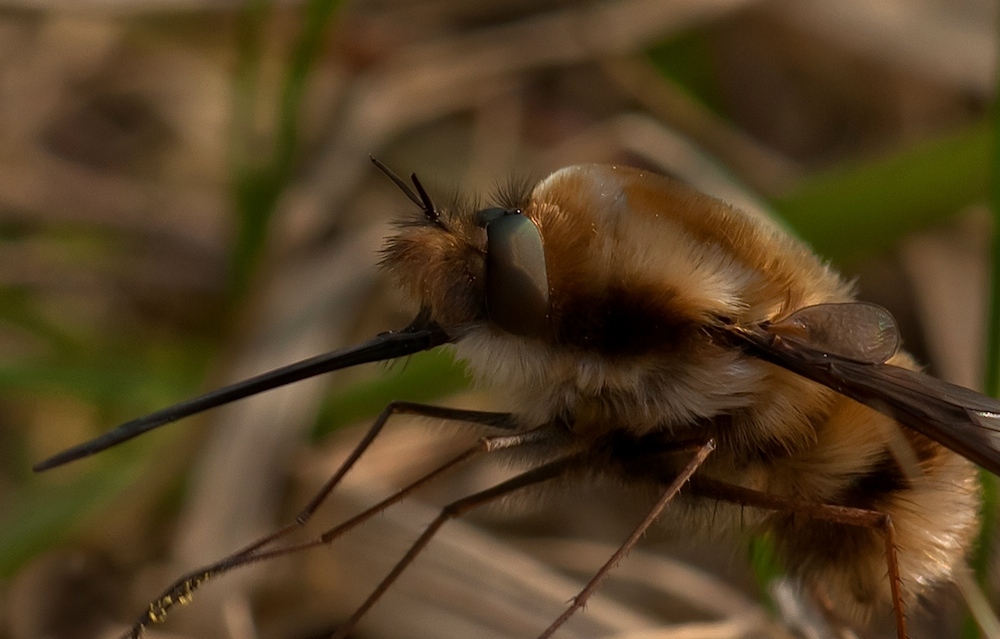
x=186 y=199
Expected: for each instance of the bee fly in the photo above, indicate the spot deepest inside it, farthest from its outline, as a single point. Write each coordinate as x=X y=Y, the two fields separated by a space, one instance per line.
x=652 y=335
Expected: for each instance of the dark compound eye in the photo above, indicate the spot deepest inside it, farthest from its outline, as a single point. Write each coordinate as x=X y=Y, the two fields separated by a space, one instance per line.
x=517 y=284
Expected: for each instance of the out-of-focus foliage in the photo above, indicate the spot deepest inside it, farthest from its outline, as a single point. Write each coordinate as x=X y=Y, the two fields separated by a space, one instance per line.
x=186 y=199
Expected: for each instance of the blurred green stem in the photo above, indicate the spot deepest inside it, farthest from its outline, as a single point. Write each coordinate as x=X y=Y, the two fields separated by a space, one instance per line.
x=258 y=185
x=866 y=206
x=991 y=379
x=991 y=382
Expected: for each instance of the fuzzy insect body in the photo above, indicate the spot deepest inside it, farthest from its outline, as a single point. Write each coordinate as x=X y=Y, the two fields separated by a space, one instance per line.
x=641 y=268
x=656 y=337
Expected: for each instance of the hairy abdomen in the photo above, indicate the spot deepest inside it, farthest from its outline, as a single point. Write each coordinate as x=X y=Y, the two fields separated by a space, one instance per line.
x=863 y=459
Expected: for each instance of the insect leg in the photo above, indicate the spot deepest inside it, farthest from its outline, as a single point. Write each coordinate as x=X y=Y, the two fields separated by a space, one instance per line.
x=675 y=486
x=181 y=591
x=538 y=475
x=827 y=512
x=496 y=420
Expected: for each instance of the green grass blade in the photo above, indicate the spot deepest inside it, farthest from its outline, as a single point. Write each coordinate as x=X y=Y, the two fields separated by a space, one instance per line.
x=867 y=207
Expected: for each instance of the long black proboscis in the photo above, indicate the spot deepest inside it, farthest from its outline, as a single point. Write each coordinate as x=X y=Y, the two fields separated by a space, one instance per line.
x=418 y=337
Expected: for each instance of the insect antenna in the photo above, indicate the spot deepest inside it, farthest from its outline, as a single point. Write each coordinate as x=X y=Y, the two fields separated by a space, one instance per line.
x=398 y=181
x=420 y=197
x=428 y=205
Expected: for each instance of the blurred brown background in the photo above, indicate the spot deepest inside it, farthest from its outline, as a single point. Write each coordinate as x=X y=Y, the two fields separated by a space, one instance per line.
x=186 y=199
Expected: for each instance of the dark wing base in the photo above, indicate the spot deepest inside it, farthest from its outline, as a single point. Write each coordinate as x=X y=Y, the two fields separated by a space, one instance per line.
x=958 y=418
